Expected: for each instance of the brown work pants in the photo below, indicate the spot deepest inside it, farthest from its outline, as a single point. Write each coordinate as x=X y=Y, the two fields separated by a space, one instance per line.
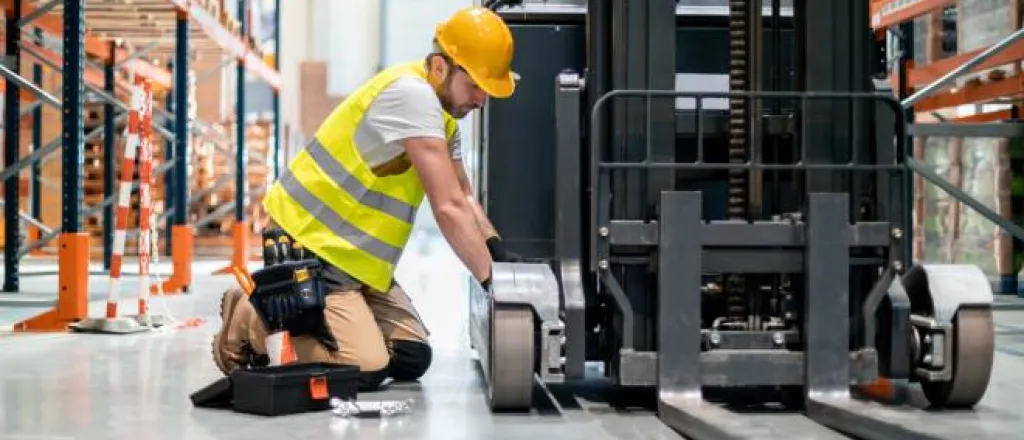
x=381 y=333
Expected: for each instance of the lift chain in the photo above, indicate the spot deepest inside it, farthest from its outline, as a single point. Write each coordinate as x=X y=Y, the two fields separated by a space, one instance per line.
x=739 y=77
x=739 y=54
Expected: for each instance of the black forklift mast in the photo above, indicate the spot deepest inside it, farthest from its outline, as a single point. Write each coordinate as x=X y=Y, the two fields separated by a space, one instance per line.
x=713 y=198
x=758 y=159
x=802 y=47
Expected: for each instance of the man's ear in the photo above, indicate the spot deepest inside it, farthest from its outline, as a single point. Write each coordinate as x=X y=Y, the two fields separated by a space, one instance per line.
x=441 y=68
x=432 y=69
x=438 y=71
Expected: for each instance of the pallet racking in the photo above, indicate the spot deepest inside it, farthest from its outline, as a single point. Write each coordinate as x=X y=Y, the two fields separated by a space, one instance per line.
x=955 y=96
x=70 y=64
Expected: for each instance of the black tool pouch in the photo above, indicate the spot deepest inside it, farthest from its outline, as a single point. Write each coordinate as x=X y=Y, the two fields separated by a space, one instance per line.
x=290 y=296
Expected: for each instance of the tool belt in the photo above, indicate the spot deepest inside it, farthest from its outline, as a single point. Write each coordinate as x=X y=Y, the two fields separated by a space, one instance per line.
x=288 y=292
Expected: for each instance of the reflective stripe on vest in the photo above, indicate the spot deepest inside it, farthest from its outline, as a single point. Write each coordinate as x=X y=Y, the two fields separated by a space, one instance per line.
x=329 y=200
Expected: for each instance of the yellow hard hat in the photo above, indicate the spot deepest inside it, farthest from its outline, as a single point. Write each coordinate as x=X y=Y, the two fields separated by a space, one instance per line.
x=478 y=40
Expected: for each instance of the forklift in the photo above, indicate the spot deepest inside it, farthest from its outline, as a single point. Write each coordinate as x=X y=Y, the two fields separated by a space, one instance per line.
x=711 y=199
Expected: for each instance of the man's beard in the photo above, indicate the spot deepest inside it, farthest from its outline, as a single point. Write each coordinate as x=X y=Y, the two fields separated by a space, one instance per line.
x=456 y=112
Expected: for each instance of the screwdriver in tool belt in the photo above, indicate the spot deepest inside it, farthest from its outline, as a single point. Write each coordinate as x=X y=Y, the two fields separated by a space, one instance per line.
x=299 y=252
x=269 y=251
x=284 y=250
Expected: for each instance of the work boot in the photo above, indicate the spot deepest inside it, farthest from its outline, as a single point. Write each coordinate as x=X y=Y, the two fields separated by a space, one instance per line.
x=238 y=344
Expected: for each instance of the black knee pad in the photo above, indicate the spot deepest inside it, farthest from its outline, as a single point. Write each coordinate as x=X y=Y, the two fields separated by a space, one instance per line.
x=410 y=360
x=371 y=380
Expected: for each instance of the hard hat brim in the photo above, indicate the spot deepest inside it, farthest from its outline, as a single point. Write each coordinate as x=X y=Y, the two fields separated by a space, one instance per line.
x=499 y=88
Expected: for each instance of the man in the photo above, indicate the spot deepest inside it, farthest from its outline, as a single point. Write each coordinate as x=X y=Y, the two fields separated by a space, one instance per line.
x=351 y=195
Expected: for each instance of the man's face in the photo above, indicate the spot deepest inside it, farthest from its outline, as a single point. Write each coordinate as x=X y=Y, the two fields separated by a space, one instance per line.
x=460 y=94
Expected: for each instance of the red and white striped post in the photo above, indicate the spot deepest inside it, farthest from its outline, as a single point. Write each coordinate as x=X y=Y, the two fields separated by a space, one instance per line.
x=145 y=195
x=137 y=139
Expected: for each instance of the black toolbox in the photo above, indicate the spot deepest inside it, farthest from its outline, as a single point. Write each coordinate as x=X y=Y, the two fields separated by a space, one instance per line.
x=214 y=395
x=292 y=388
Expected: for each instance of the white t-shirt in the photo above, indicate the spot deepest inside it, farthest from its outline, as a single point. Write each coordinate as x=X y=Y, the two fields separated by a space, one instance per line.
x=408 y=107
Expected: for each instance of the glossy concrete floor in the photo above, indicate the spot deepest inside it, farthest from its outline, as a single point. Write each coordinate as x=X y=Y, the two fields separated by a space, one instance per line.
x=85 y=386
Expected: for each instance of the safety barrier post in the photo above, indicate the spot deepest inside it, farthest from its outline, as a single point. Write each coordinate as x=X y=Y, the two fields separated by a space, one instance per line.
x=145 y=194
x=138 y=141
x=124 y=187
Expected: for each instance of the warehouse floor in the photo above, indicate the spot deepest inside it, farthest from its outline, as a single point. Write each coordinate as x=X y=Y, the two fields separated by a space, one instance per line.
x=63 y=386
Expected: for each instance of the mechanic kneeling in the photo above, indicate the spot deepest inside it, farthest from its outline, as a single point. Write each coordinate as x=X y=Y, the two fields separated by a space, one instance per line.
x=344 y=208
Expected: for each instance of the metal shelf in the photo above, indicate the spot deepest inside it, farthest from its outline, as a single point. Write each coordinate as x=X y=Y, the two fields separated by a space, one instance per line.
x=213 y=32
x=926 y=74
x=147 y=27
x=886 y=13
x=973 y=93
x=97 y=45
x=92 y=75
x=92 y=44
x=956 y=80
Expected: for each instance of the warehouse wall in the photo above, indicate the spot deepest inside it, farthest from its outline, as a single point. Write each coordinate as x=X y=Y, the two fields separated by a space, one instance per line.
x=297 y=37
x=410 y=26
x=347 y=38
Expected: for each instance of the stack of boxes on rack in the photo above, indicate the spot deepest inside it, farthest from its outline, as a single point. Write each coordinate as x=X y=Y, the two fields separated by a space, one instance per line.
x=217 y=9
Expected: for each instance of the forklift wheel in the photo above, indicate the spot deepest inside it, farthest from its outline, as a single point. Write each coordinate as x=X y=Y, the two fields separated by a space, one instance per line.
x=973 y=346
x=512 y=359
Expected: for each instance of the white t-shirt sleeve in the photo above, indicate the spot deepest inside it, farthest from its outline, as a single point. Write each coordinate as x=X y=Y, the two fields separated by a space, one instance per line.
x=407 y=108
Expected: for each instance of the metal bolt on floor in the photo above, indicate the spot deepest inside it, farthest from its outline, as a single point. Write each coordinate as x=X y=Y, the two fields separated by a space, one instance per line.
x=370 y=409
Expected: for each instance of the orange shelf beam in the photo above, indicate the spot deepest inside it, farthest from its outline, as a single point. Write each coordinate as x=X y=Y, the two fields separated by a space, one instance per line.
x=886 y=13
x=228 y=41
x=996 y=116
x=53 y=24
x=973 y=94
x=91 y=76
x=927 y=74
x=27 y=97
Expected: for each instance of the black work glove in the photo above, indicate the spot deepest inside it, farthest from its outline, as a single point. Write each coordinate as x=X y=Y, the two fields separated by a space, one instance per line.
x=500 y=253
x=486 y=284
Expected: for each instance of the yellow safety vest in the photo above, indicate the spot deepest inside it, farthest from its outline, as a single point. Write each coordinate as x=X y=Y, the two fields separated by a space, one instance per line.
x=331 y=201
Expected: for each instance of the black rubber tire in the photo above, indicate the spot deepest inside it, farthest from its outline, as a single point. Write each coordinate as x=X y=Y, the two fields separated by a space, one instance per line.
x=972 y=355
x=512 y=360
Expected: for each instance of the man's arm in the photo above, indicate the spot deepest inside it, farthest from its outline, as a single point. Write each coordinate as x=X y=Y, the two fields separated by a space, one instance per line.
x=407 y=113
x=486 y=228
x=492 y=239
x=454 y=213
